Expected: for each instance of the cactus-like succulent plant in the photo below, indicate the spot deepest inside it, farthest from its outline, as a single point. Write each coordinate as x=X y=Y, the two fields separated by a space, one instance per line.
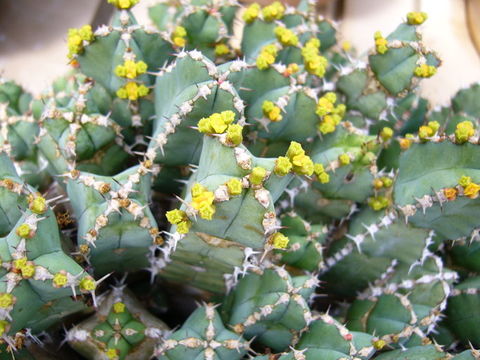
x=242 y=157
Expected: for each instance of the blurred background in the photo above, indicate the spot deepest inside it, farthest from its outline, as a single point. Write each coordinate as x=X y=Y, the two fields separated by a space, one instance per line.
x=33 y=33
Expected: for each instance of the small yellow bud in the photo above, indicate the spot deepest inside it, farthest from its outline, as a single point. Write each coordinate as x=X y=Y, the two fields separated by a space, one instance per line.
x=119 y=307
x=386 y=133
x=377 y=183
x=221 y=49
x=404 y=143
x=346 y=45
x=271 y=111
x=424 y=132
x=379 y=344
x=387 y=182
x=324 y=178
x=286 y=36
x=344 y=159
x=4 y=327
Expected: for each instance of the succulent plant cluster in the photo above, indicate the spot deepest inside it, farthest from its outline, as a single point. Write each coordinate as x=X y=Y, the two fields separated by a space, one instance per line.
x=310 y=200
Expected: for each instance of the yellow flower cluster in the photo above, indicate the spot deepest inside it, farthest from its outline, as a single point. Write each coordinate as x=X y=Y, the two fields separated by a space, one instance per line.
x=221 y=49
x=301 y=163
x=179 y=218
x=75 y=39
x=131 y=69
x=25 y=267
x=279 y=241
x=286 y=36
x=426 y=131
x=381 y=44
x=251 y=13
x=274 y=11
x=464 y=131
x=425 y=71
x=179 y=36
x=123 y=4
x=271 y=111
x=315 y=64
x=266 y=57
x=202 y=201
x=291 y=69
x=331 y=115
x=470 y=189
x=220 y=123
x=378 y=203
x=321 y=174
x=416 y=18
x=132 y=91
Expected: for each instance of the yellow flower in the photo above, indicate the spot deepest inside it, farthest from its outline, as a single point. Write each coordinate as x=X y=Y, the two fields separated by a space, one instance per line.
x=416 y=18
x=118 y=307
x=271 y=111
x=131 y=69
x=112 y=354
x=202 y=201
x=257 y=175
x=251 y=13
x=379 y=344
x=344 y=159
x=6 y=300
x=464 y=131
x=471 y=190
x=25 y=231
x=234 y=134
x=4 y=326
x=123 y=4
x=87 y=284
x=425 y=71
x=28 y=270
x=234 y=186
x=294 y=149
x=38 y=205
x=60 y=280
x=279 y=241
x=450 y=193
x=176 y=216
x=465 y=181
x=273 y=11
x=404 y=143
x=283 y=166
x=132 y=91
x=286 y=36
